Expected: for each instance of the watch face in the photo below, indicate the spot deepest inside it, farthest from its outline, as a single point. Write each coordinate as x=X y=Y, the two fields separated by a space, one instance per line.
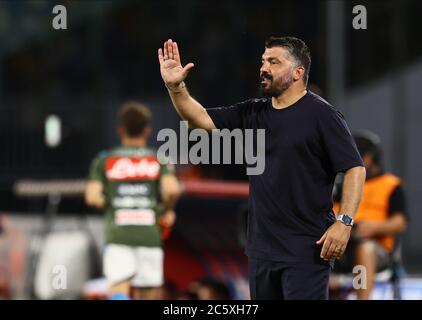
x=347 y=220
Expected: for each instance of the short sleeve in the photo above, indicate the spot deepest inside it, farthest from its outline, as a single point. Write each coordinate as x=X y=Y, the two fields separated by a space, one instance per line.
x=397 y=201
x=96 y=171
x=338 y=141
x=228 y=117
x=167 y=169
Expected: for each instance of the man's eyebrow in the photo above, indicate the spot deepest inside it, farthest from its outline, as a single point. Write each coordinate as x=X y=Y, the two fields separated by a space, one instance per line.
x=270 y=58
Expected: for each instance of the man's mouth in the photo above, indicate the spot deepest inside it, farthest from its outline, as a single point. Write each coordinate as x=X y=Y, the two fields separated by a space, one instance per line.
x=265 y=79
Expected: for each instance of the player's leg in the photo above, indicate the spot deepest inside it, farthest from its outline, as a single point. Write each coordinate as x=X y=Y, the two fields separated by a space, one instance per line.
x=365 y=256
x=145 y=293
x=264 y=280
x=305 y=281
x=119 y=290
x=119 y=268
x=149 y=273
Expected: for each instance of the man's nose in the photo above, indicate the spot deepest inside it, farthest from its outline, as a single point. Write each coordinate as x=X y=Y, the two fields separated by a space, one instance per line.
x=264 y=67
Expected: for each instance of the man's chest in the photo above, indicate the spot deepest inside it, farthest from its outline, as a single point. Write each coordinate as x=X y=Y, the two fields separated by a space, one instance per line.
x=287 y=132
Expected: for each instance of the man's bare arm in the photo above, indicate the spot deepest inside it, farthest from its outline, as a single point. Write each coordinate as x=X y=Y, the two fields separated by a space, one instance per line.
x=353 y=182
x=335 y=239
x=190 y=110
x=395 y=224
x=94 y=194
x=173 y=75
x=170 y=191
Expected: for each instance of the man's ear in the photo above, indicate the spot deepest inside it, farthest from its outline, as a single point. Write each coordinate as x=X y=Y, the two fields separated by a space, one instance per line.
x=298 y=73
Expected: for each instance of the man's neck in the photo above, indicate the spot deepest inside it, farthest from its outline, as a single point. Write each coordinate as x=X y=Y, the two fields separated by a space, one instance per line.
x=288 y=97
x=134 y=142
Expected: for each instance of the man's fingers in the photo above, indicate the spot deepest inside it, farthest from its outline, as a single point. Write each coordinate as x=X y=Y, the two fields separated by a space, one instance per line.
x=176 y=55
x=325 y=247
x=160 y=56
x=321 y=240
x=330 y=251
x=338 y=253
x=170 y=48
x=166 y=55
x=342 y=250
x=187 y=68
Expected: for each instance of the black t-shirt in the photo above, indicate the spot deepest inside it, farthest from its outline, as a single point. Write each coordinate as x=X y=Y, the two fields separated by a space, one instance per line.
x=290 y=203
x=397 y=203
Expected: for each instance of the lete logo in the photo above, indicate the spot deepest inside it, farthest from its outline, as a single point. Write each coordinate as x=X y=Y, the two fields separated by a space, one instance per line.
x=118 y=168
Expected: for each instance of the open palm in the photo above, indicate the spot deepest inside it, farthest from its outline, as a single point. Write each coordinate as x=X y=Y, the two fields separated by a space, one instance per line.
x=171 y=68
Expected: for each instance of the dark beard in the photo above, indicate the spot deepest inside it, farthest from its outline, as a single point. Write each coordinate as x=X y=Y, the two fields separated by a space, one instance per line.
x=276 y=90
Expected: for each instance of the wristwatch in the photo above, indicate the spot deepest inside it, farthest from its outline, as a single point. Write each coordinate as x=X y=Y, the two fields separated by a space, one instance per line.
x=347 y=220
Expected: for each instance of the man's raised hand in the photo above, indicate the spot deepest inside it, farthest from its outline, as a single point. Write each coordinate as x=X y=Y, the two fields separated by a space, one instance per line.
x=171 y=68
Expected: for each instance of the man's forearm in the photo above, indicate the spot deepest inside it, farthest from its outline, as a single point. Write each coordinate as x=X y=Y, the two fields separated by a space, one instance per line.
x=392 y=226
x=170 y=202
x=97 y=201
x=169 y=196
x=334 y=240
x=188 y=108
x=353 y=182
x=94 y=196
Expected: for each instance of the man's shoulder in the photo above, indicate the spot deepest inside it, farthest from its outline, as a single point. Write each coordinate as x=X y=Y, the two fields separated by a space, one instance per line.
x=322 y=106
x=123 y=151
x=253 y=103
x=102 y=155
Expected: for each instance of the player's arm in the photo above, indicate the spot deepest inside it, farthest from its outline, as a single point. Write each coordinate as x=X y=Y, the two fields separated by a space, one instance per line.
x=335 y=239
x=395 y=224
x=174 y=75
x=94 y=196
x=353 y=182
x=170 y=192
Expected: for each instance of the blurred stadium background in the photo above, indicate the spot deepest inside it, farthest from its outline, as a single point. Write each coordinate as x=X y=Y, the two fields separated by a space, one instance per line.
x=108 y=55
